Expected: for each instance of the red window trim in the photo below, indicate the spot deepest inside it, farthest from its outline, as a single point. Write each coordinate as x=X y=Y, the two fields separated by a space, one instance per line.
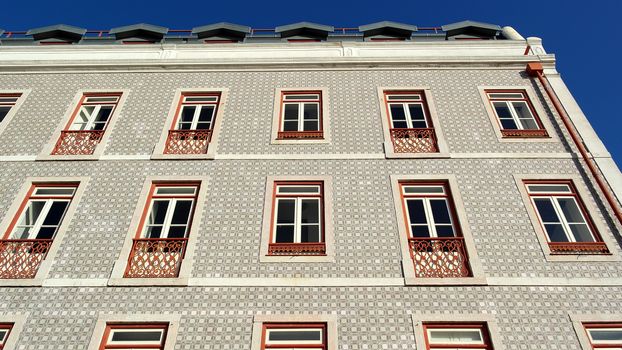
x=152 y=195
x=8 y=327
x=110 y=326
x=601 y=325
x=181 y=103
x=29 y=196
x=448 y=195
x=322 y=206
x=444 y=325
x=517 y=133
x=588 y=218
x=277 y=325
x=94 y=94
x=319 y=134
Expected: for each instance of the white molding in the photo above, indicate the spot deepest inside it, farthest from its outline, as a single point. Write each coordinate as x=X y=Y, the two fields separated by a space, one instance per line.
x=120 y=265
x=18 y=320
x=418 y=319
x=276 y=117
x=15 y=108
x=48 y=261
x=331 y=321
x=329 y=232
x=579 y=319
x=158 y=151
x=408 y=267
x=173 y=321
x=584 y=196
x=46 y=152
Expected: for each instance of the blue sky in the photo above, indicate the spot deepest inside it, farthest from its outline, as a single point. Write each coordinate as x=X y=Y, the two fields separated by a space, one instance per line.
x=582 y=35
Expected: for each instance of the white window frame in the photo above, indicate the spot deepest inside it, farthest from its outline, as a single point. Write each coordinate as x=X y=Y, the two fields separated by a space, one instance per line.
x=419 y=319
x=104 y=319
x=279 y=110
x=404 y=103
x=579 y=320
x=199 y=105
x=298 y=211
x=294 y=343
x=509 y=102
x=614 y=342
x=428 y=209
x=301 y=106
x=168 y=218
x=90 y=118
x=36 y=227
x=14 y=108
x=18 y=321
x=109 y=342
x=431 y=342
x=330 y=320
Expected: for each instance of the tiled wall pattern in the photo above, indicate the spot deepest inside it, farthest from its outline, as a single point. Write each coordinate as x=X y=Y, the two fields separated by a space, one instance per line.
x=355 y=124
x=365 y=225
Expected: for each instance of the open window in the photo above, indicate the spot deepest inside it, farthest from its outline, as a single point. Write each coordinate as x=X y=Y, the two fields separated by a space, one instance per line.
x=457 y=336
x=193 y=124
x=134 y=336
x=563 y=217
x=159 y=246
x=312 y=336
x=515 y=114
x=31 y=232
x=88 y=123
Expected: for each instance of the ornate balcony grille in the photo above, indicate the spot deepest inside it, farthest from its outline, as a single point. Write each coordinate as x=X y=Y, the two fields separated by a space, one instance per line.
x=156 y=257
x=421 y=140
x=297 y=249
x=300 y=135
x=78 y=142
x=187 y=141
x=21 y=258
x=578 y=248
x=524 y=133
x=439 y=257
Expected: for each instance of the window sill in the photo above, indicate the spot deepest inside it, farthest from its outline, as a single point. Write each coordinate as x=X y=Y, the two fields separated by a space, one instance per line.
x=512 y=134
x=297 y=258
x=464 y=281
x=22 y=282
x=148 y=282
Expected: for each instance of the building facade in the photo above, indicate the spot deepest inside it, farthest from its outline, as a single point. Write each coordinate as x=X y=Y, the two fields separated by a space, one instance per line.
x=380 y=187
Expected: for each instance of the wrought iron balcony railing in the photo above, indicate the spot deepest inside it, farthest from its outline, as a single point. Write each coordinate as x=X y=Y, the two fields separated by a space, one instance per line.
x=421 y=140
x=440 y=257
x=78 y=142
x=578 y=248
x=286 y=135
x=523 y=133
x=297 y=249
x=156 y=257
x=21 y=258
x=187 y=141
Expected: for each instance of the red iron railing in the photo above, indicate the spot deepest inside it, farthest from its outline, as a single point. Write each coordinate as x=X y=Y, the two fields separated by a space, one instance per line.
x=301 y=134
x=297 y=249
x=156 y=257
x=421 y=140
x=578 y=248
x=439 y=257
x=78 y=142
x=524 y=133
x=187 y=141
x=21 y=258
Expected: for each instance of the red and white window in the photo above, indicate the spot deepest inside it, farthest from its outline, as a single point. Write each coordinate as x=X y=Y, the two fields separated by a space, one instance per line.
x=87 y=125
x=30 y=234
x=410 y=125
x=515 y=114
x=436 y=244
x=297 y=219
x=301 y=115
x=5 y=331
x=191 y=131
x=457 y=336
x=7 y=101
x=294 y=336
x=130 y=336
x=160 y=243
x=604 y=335
x=562 y=214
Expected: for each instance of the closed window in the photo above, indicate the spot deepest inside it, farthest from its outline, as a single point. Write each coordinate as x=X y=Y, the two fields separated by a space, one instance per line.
x=301 y=115
x=298 y=219
x=407 y=110
x=457 y=336
x=515 y=114
x=196 y=112
x=5 y=330
x=561 y=212
x=169 y=211
x=7 y=101
x=134 y=336
x=42 y=212
x=429 y=210
x=605 y=335
x=294 y=336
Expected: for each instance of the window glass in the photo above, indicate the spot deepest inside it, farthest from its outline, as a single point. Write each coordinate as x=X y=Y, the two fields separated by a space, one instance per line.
x=196 y=113
x=297 y=216
x=405 y=114
x=170 y=212
x=428 y=211
x=606 y=335
x=514 y=111
x=4 y=110
x=455 y=336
